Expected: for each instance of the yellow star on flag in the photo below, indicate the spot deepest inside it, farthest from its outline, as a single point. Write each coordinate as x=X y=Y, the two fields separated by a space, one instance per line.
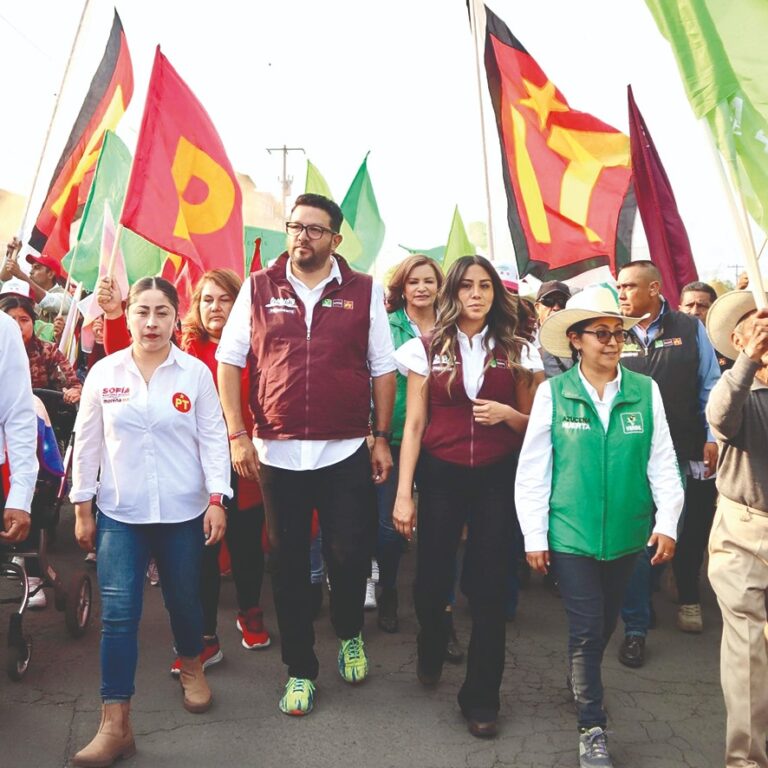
x=543 y=101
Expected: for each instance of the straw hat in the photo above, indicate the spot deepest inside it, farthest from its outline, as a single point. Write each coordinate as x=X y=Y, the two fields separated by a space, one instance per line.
x=724 y=316
x=593 y=302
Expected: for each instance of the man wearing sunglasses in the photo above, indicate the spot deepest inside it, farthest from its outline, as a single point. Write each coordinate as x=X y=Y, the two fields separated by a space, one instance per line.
x=552 y=297
x=315 y=337
x=672 y=348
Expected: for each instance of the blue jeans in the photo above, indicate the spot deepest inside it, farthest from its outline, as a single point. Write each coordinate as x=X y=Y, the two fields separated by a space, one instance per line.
x=124 y=552
x=389 y=543
x=592 y=591
x=636 y=610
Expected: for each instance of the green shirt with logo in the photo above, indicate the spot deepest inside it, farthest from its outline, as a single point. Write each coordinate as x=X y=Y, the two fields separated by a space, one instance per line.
x=601 y=504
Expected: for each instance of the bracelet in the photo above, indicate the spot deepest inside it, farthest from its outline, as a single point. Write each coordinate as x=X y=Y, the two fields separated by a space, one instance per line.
x=216 y=499
x=383 y=434
x=235 y=435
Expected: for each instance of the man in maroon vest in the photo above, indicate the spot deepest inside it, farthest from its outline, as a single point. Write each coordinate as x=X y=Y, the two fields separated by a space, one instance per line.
x=315 y=337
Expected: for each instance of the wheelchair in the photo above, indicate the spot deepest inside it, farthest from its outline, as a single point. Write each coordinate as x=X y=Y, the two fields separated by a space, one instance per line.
x=75 y=597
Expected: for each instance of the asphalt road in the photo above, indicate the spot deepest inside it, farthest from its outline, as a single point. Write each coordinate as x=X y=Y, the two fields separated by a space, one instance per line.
x=666 y=715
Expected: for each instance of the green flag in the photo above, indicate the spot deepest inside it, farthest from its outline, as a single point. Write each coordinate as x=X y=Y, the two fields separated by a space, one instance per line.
x=437 y=253
x=271 y=246
x=351 y=248
x=458 y=242
x=361 y=211
x=720 y=50
x=109 y=182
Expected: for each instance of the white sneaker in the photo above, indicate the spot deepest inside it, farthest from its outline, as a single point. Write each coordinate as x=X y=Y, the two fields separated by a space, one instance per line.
x=38 y=601
x=375 y=571
x=370 y=595
x=689 y=618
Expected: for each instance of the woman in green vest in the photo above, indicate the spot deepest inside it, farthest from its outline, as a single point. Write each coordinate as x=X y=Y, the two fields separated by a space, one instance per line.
x=412 y=294
x=597 y=458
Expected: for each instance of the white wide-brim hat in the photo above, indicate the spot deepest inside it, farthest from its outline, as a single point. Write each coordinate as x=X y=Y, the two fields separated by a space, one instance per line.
x=724 y=316
x=593 y=302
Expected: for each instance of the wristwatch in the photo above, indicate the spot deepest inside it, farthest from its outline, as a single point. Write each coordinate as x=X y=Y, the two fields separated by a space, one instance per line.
x=216 y=500
x=381 y=433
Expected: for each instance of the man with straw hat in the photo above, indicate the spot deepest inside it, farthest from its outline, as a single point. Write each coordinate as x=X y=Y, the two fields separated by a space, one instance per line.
x=738 y=545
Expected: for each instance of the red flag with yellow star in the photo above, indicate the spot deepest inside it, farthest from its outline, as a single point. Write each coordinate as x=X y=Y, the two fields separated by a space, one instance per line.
x=183 y=194
x=566 y=173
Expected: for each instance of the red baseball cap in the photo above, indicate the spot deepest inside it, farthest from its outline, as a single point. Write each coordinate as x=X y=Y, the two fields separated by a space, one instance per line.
x=48 y=261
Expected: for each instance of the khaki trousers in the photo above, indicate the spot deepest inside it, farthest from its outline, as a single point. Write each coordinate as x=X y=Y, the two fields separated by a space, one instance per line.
x=738 y=572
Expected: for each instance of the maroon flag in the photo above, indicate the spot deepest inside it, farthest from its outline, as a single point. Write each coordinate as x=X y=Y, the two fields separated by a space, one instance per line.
x=667 y=238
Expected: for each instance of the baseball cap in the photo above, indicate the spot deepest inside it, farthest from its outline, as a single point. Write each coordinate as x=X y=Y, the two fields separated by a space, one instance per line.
x=553 y=286
x=16 y=287
x=48 y=261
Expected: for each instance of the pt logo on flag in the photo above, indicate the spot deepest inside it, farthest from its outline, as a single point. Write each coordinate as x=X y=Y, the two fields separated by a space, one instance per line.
x=632 y=423
x=206 y=191
x=181 y=402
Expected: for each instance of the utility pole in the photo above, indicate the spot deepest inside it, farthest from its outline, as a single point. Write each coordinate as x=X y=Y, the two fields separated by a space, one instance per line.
x=737 y=270
x=286 y=180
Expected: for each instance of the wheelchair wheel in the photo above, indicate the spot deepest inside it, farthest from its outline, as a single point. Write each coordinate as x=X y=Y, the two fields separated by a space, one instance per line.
x=17 y=659
x=77 y=614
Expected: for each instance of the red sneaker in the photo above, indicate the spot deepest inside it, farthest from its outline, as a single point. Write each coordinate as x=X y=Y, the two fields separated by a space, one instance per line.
x=211 y=654
x=251 y=624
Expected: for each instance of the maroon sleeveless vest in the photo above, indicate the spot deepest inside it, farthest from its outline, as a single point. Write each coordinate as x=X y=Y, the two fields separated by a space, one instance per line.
x=452 y=433
x=310 y=385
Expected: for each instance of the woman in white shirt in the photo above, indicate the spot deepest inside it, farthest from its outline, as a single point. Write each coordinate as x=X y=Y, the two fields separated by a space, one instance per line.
x=151 y=431
x=597 y=457
x=468 y=397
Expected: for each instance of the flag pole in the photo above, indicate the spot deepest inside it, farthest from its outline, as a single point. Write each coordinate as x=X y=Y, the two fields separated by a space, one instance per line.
x=64 y=78
x=741 y=220
x=489 y=217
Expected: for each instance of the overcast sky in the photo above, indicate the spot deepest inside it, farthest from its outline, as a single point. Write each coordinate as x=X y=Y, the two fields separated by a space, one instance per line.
x=342 y=77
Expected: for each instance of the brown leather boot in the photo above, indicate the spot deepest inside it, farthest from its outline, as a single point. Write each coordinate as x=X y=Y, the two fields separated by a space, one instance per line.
x=197 y=694
x=113 y=741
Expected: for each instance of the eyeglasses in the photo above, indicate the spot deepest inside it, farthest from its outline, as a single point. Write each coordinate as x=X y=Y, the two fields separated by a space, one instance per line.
x=554 y=301
x=604 y=336
x=314 y=231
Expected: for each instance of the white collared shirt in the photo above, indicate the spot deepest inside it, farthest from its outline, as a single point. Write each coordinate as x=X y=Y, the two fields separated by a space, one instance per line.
x=412 y=356
x=161 y=447
x=235 y=344
x=18 y=422
x=533 y=484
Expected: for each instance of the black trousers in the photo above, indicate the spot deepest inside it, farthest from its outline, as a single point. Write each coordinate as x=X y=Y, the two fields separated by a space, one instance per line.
x=700 y=499
x=344 y=497
x=450 y=496
x=243 y=538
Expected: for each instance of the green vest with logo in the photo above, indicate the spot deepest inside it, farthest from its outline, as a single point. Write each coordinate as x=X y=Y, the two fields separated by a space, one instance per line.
x=601 y=504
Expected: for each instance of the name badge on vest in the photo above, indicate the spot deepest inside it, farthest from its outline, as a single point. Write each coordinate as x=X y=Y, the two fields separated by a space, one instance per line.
x=495 y=363
x=576 y=423
x=442 y=363
x=632 y=423
x=279 y=304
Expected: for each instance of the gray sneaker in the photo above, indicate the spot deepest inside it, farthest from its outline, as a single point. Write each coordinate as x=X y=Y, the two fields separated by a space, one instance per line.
x=593 y=749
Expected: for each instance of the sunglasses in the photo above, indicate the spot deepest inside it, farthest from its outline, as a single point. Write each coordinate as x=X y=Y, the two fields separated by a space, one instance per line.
x=558 y=300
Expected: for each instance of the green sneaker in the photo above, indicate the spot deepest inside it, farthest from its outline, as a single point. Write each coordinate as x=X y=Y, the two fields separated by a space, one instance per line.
x=353 y=663
x=299 y=697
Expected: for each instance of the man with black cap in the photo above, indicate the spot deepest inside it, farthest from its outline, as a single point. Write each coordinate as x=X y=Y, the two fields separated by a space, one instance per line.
x=552 y=297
